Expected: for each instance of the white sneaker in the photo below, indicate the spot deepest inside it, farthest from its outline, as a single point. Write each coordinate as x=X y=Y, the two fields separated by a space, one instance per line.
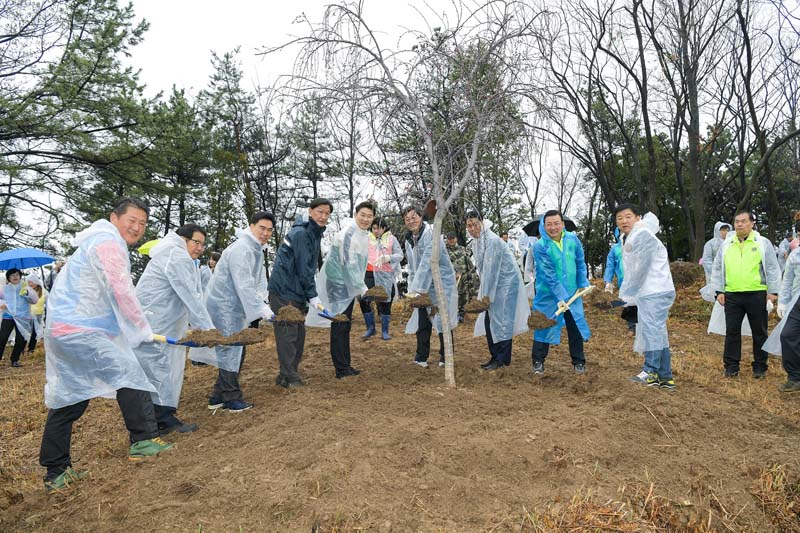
x=441 y=364
x=423 y=364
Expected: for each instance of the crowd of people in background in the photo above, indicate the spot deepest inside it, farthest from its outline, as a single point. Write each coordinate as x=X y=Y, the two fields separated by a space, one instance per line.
x=98 y=326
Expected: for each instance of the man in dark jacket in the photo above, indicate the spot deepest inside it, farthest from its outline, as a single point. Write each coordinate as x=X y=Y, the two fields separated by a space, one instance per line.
x=292 y=283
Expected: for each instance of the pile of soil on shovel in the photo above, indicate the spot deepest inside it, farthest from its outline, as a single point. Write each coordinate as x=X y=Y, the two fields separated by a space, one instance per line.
x=600 y=299
x=538 y=320
x=213 y=337
x=477 y=306
x=291 y=314
x=377 y=293
x=340 y=318
x=422 y=300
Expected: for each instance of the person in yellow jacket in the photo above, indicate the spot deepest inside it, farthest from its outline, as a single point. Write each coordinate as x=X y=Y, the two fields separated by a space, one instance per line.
x=37 y=310
x=745 y=275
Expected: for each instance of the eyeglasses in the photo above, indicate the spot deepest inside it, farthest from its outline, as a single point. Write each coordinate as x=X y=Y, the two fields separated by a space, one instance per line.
x=201 y=244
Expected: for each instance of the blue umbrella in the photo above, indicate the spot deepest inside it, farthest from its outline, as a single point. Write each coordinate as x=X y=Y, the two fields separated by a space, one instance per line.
x=23 y=258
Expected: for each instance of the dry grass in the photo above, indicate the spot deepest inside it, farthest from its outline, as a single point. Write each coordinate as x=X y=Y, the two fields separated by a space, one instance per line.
x=778 y=491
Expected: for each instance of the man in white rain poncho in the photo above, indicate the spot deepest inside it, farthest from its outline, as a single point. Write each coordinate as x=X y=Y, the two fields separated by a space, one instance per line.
x=235 y=298
x=171 y=295
x=419 y=247
x=785 y=338
x=746 y=275
x=15 y=305
x=648 y=285
x=501 y=282
x=93 y=321
x=383 y=267
x=340 y=281
x=711 y=248
x=784 y=249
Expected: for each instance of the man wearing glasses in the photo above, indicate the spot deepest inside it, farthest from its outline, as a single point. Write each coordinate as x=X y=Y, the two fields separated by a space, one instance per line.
x=171 y=295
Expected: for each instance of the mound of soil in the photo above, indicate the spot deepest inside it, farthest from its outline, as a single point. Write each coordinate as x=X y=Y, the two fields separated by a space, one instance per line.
x=422 y=300
x=477 y=306
x=538 y=320
x=289 y=313
x=340 y=318
x=377 y=293
x=684 y=273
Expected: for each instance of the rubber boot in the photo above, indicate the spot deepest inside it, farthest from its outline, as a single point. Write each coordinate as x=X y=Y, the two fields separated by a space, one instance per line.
x=385 y=319
x=369 y=318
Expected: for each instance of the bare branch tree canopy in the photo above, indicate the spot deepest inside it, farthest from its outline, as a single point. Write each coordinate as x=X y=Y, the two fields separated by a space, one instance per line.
x=482 y=57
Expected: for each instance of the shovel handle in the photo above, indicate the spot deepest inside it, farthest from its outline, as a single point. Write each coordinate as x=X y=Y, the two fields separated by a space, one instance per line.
x=578 y=294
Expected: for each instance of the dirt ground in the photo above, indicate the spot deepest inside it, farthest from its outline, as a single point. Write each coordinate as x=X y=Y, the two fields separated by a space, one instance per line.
x=394 y=449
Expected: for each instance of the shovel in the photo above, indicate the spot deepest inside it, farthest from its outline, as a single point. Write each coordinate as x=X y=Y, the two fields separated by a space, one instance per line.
x=169 y=340
x=578 y=294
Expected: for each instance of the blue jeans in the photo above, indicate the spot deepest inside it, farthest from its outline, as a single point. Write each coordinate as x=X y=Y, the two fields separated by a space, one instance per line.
x=659 y=362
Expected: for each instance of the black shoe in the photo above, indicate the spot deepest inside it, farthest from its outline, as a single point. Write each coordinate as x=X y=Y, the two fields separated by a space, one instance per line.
x=198 y=363
x=178 y=425
x=347 y=372
x=16 y=364
x=731 y=373
x=281 y=381
x=487 y=363
x=494 y=366
x=759 y=374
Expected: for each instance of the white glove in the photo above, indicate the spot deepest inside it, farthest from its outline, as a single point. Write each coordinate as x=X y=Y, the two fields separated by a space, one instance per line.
x=770 y=306
x=610 y=288
x=562 y=306
x=315 y=302
x=781 y=310
x=363 y=291
x=267 y=313
x=386 y=259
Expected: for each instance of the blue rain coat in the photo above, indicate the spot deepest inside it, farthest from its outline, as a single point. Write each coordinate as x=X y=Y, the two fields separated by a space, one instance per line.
x=236 y=296
x=502 y=282
x=614 y=262
x=559 y=274
x=93 y=322
x=171 y=295
x=420 y=278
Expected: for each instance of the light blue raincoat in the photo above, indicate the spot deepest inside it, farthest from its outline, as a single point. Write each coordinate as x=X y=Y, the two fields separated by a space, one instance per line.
x=93 y=322
x=502 y=282
x=236 y=296
x=614 y=262
x=711 y=249
x=18 y=300
x=171 y=295
x=789 y=292
x=559 y=274
x=421 y=279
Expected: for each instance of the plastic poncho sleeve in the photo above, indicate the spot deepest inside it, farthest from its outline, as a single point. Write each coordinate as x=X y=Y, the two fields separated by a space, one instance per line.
x=611 y=265
x=422 y=275
x=709 y=258
x=249 y=290
x=397 y=251
x=114 y=267
x=772 y=269
x=192 y=300
x=355 y=275
x=644 y=246
x=790 y=280
x=546 y=272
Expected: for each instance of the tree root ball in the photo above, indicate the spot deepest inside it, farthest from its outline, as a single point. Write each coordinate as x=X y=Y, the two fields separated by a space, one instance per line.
x=290 y=314
x=538 y=320
x=477 y=306
x=422 y=300
x=377 y=293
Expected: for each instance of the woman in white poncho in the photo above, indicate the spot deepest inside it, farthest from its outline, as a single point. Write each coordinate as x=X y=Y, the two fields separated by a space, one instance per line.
x=501 y=283
x=15 y=305
x=171 y=294
x=647 y=285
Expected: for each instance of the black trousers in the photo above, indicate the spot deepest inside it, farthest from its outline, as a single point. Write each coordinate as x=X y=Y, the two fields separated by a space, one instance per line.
x=790 y=343
x=227 y=386
x=137 y=411
x=165 y=415
x=424 y=330
x=290 y=339
x=340 y=341
x=384 y=308
x=32 y=341
x=541 y=349
x=500 y=351
x=6 y=327
x=738 y=305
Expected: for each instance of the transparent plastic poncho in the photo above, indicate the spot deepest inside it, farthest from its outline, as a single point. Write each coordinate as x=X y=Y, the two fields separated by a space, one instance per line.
x=341 y=277
x=385 y=273
x=171 y=295
x=502 y=283
x=711 y=249
x=18 y=299
x=789 y=292
x=420 y=279
x=93 y=321
x=236 y=296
